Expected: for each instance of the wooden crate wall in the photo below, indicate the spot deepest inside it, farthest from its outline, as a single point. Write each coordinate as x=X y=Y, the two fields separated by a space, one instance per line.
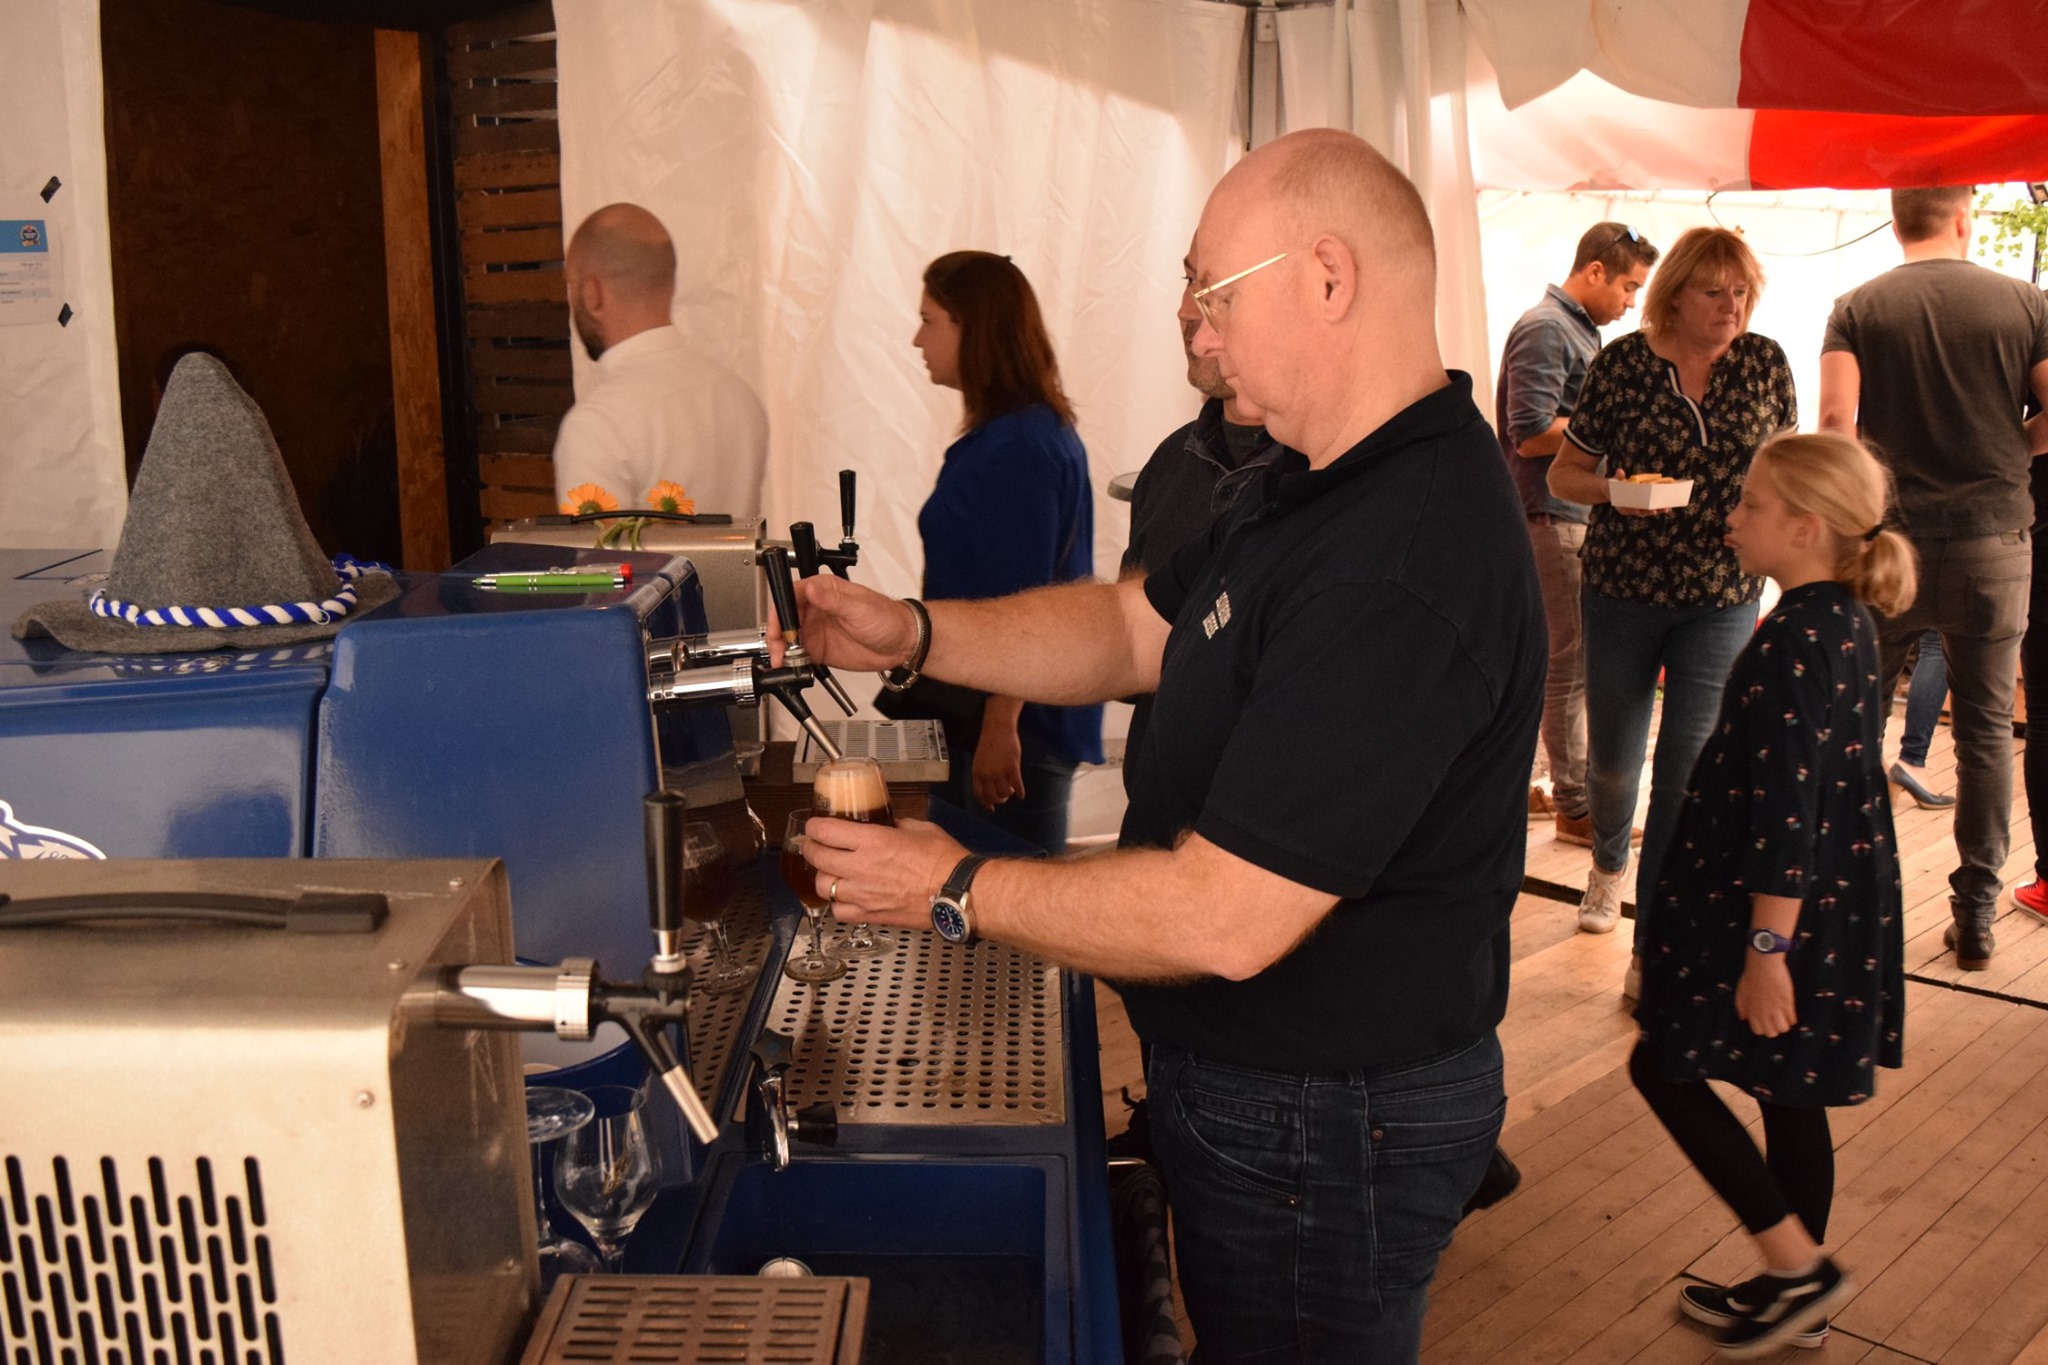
x=508 y=206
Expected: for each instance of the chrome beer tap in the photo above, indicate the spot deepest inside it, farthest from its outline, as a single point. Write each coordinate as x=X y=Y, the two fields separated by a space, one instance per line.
x=571 y=999
x=732 y=668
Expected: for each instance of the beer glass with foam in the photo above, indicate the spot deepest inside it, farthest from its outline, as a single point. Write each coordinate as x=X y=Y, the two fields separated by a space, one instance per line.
x=854 y=789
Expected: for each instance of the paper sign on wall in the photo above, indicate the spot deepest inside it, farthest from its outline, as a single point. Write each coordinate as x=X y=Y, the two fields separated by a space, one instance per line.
x=31 y=272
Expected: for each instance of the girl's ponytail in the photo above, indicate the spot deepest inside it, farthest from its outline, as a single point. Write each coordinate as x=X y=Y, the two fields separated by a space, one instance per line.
x=1837 y=479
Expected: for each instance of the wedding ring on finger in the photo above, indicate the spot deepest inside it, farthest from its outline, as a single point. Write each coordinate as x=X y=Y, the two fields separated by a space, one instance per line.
x=832 y=896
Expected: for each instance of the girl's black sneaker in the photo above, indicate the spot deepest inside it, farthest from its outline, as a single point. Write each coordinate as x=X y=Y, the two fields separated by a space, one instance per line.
x=1719 y=1307
x=1785 y=1307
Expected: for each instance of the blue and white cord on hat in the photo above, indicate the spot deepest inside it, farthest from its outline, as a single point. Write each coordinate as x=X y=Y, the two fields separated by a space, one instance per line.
x=346 y=566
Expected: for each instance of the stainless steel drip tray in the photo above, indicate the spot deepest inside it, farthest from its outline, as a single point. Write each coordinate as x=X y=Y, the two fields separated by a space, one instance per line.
x=930 y=1034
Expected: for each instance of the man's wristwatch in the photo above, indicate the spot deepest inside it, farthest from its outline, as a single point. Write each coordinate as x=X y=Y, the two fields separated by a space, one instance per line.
x=1766 y=941
x=952 y=916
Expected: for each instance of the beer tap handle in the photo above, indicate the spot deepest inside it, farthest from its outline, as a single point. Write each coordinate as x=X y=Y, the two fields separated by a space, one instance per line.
x=781 y=590
x=848 y=553
x=665 y=814
x=782 y=587
x=803 y=539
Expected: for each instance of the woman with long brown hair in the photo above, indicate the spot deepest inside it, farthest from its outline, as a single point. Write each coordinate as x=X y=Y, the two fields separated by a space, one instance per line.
x=1013 y=509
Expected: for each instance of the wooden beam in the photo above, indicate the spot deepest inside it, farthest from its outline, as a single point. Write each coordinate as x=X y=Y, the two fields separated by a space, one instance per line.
x=409 y=290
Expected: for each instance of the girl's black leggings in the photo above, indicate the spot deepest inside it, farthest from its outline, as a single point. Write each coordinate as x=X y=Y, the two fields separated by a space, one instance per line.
x=1795 y=1173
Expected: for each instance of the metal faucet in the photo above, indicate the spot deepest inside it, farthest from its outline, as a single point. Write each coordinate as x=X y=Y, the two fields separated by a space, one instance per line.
x=571 y=999
x=736 y=672
x=816 y=1123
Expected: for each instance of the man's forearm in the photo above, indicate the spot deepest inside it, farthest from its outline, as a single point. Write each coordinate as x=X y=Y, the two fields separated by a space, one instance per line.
x=1064 y=645
x=1146 y=914
x=1546 y=442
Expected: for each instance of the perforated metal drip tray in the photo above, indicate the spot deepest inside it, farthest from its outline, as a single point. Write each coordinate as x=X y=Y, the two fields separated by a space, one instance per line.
x=617 y=1319
x=930 y=1034
x=715 y=1020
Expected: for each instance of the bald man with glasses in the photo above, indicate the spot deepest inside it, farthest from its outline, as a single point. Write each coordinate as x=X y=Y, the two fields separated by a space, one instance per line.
x=1308 y=915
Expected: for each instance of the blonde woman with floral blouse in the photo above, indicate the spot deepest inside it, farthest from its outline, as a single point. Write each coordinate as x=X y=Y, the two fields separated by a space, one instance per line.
x=1691 y=396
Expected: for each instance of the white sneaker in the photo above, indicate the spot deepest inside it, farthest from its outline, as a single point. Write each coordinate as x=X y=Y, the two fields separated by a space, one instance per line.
x=1632 y=981
x=1600 y=909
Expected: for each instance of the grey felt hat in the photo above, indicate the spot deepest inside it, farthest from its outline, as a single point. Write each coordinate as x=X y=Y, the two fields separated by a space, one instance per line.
x=214 y=524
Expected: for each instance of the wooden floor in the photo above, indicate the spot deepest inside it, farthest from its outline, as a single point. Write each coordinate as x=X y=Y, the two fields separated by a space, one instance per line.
x=1941 y=1205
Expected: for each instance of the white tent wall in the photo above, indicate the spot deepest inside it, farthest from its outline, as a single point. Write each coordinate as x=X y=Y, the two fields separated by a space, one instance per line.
x=1395 y=74
x=62 y=467
x=811 y=160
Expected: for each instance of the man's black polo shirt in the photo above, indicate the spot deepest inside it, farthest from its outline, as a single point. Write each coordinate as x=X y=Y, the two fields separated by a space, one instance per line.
x=1350 y=698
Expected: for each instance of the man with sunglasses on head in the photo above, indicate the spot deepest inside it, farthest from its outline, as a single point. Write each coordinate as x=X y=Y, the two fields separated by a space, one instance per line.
x=1308 y=916
x=1541 y=370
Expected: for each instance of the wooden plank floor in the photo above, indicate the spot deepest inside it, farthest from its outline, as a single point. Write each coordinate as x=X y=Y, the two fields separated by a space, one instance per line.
x=1941 y=1205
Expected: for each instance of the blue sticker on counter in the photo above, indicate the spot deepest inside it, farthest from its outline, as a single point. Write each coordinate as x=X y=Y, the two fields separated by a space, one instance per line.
x=50 y=190
x=24 y=236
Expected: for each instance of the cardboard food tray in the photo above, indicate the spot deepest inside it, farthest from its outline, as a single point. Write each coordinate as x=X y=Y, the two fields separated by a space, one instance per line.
x=1622 y=493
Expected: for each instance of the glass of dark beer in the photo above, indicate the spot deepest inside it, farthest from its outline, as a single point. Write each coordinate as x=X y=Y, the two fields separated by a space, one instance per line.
x=816 y=964
x=709 y=879
x=854 y=789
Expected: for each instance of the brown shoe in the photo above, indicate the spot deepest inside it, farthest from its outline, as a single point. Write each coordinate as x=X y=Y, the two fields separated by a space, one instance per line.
x=1578 y=829
x=1539 y=803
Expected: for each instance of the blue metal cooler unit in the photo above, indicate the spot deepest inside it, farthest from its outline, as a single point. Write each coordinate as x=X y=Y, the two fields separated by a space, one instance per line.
x=452 y=722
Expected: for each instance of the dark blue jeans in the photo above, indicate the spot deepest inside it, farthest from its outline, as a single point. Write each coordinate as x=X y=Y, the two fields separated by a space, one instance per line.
x=1309 y=1211
x=1627 y=645
x=1924 y=696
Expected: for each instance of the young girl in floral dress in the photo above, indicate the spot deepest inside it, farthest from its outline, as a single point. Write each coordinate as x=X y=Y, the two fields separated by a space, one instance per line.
x=1774 y=962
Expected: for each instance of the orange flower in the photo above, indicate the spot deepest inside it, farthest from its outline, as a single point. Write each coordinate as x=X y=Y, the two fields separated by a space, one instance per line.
x=585 y=498
x=670 y=497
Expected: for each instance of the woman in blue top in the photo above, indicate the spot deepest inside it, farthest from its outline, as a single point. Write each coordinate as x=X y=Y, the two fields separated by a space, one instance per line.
x=1012 y=510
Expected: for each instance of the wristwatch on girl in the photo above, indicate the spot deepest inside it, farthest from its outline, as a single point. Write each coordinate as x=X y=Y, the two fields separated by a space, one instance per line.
x=1766 y=941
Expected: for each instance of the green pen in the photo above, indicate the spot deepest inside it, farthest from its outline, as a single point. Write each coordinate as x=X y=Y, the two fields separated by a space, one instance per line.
x=578 y=578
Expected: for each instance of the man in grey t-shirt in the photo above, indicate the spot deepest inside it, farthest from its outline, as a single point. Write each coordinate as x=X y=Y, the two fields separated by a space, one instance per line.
x=1542 y=367
x=1930 y=363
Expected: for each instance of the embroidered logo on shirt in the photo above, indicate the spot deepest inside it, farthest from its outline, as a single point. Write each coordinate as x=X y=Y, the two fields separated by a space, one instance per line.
x=1218 y=617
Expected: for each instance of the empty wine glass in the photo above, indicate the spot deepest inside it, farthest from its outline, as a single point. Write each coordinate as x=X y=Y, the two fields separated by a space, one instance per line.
x=816 y=964
x=606 y=1172
x=709 y=880
x=553 y=1113
x=853 y=788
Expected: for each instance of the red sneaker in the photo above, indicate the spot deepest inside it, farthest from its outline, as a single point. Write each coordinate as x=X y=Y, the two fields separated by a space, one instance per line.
x=2032 y=897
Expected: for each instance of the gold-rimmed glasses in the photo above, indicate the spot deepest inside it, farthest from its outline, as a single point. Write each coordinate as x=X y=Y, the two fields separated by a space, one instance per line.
x=1216 y=311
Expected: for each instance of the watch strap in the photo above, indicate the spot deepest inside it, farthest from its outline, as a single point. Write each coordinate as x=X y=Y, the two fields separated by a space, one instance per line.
x=1769 y=941
x=951 y=915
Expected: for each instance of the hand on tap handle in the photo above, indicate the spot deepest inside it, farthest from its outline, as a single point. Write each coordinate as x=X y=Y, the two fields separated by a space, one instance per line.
x=852 y=626
x=804 y=541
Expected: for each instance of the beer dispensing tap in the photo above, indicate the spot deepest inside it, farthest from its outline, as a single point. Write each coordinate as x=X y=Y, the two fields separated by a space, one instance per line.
x=736 y=672
x=570 y=1000
x=804 y=544
x=848 y=553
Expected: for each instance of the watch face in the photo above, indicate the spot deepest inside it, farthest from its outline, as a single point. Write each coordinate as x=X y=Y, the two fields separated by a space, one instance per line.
x=947 y=919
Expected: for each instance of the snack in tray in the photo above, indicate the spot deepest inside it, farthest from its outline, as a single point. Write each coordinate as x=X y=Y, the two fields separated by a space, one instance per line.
x=1649 y=492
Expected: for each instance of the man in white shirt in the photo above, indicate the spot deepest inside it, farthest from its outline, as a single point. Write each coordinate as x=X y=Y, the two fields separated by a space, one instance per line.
x=658 y=409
